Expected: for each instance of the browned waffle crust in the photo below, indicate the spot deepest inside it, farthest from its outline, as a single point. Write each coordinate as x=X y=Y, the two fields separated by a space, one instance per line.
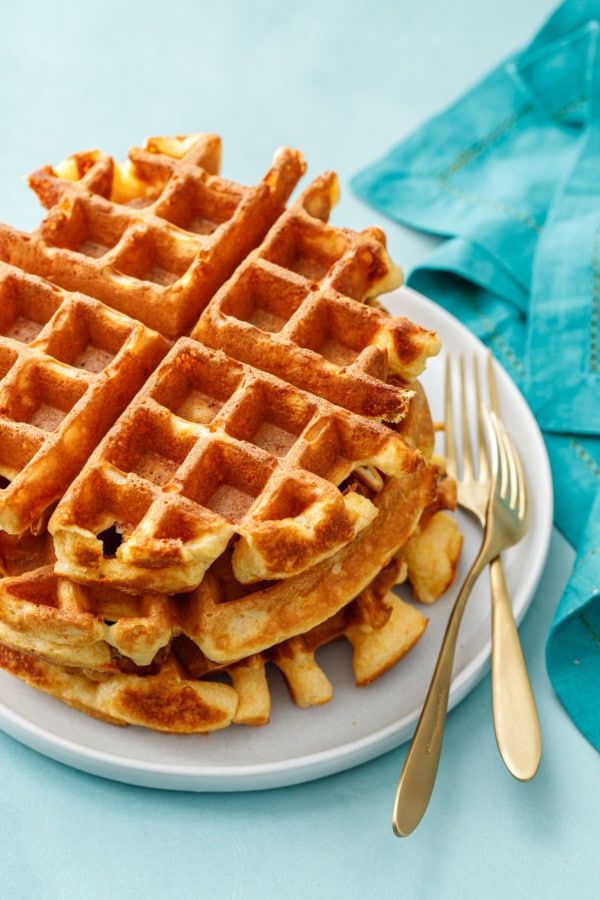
x=213 y=449
x=68 y=366
x=260 y=481
x=52 y=625
x=176 y=698
x=295 y=308
x=156 y=238
x=91 y=626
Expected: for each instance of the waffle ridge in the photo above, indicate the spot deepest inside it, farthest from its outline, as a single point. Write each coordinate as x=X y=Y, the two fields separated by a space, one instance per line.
x=269 y=482
x=298 y=307
x=213 y=449
x=380 y=627
x=91 y=626
x=154 y=237
x=68 y=367
x=175 y=697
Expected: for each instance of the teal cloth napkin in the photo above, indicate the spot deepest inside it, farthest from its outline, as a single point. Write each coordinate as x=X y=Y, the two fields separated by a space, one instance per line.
x=510 y=175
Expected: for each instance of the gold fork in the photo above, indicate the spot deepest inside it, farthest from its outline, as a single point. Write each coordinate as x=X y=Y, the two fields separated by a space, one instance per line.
x=516 y=721
x=502 y=486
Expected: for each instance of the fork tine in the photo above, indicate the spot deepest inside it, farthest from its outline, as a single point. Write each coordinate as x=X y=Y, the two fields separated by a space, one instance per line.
x=449 y=440
x=523 y=504
x=502 y=474
x=484 y=460
x=513 y=480
x=492 y=385
x=466 y=438
x=497 y=464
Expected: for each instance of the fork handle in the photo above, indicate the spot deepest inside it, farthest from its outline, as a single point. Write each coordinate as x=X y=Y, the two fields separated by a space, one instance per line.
x=421 y=764
x=516 y=721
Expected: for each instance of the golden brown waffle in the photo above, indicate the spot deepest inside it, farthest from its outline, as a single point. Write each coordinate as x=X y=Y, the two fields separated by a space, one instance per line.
x=153 y=238
x=229 y=624
x=380 y=627
x=97 y=627
x=176 y=698
x=265 y=488
x=212 y=449
x=66 y=626
x=68 y=367
x=431 y=557
x=165 y=702
x=294 y=308
x=100 y=631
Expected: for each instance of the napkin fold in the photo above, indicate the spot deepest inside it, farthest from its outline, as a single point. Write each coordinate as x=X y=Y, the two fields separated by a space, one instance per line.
x=510 y=176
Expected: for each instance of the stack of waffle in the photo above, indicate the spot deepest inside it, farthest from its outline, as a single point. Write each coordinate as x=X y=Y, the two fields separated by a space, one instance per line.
x=214 y=451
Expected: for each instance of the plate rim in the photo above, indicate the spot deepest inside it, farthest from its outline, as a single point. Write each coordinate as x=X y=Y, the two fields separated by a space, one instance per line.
x=318 y=764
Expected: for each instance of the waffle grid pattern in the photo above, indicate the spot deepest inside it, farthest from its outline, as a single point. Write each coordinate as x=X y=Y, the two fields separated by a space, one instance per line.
x=242 y=499
x=171 y=700
x=68 y=367
x=154 y=238
x=379 y=626
x=296 y=307
x=99 y=628
x=213 y=449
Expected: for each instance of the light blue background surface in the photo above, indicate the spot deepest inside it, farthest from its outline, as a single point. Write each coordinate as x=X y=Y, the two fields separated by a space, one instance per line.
x=342 y=81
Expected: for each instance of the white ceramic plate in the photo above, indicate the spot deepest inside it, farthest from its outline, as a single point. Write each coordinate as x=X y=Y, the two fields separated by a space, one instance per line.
x=300 y=745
